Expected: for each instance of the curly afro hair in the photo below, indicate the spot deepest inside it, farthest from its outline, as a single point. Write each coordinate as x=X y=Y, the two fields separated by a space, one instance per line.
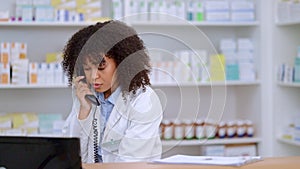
x=115 y=40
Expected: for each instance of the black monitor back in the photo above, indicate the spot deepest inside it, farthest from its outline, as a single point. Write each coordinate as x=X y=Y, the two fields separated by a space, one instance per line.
x=39 y=153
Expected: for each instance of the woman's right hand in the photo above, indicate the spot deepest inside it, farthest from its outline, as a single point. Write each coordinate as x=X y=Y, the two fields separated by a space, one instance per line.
x=82 y=89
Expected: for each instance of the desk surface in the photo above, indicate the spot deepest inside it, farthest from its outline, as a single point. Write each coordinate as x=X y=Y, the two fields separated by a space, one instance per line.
x=267 y=163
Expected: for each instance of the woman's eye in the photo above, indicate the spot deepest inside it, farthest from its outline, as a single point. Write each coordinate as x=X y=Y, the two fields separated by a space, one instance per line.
x=102 y=66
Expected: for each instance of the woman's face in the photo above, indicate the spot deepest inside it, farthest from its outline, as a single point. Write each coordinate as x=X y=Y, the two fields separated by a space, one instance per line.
x=100 y=76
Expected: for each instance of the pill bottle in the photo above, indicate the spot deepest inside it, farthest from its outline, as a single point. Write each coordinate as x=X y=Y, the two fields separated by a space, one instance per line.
x=161 y=130
x=178 y=128
x=231 y=129
x=167 y=130
x=199 y=129
x=241 y=128
x=189 y=131
x=222 y=129
x=210 y=128
x=250 y=128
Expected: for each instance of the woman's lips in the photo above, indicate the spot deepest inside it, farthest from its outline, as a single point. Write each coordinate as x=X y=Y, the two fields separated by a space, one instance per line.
x=97 y=85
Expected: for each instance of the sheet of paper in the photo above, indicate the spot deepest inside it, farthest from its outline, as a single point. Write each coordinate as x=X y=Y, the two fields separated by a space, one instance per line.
x=208 y=160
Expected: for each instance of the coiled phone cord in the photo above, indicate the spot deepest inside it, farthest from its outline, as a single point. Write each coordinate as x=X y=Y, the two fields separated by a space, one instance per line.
x=95 y=139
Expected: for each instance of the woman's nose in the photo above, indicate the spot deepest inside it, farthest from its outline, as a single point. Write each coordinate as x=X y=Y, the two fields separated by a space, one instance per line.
x=96 y=74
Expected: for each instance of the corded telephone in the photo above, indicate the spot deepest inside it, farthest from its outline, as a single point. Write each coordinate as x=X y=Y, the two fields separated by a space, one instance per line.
x=93 y=99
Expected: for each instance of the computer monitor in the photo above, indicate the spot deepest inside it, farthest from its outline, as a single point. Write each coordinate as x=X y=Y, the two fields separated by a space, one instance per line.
x=39 y=152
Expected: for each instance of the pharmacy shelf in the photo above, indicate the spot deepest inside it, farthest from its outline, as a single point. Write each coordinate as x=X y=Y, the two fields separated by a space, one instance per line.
x=206 y=84
x=138 y=23
x=287 y=23
x=210 y=141
x=27 y=86
x=158 y=84
x=46 y=24
x=192 y=23
x=288 y=84
x=290 y=142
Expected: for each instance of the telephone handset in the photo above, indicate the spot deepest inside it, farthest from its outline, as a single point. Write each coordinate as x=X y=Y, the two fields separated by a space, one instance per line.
x=93 y=99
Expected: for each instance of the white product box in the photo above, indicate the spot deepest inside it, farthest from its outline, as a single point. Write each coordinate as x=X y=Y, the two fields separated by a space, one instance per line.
x=245 y=56
x=242 y=5
x=295 y=11
x=180 y=9
x=5 y=73
x=23 y=51
x=153 y=10
x=58 y=74
x=195 y=67
x=185 y=65
x=163 y=11
x=50 y=73
x=245 y=44
x=131 y=10
x=296 y=134
x=4 y=15
x=20 y=71
x=246 y=71
x=283 y=10
x=161 y=72
x=44 y=13
x=27 y=13
x=228 y=45
x=230 y=57
x=41 y=2
x=5 y=122
x=296 y=120
x=204 y=68
x=23 y=2
x=15 y=51
x=42 y=69
x=117 y=9
x=242 y=16
x=217 y=150
x=70 y=4
x=143 y=10
x=240 y=150
x=33 y=73
x=218 y=16
x=168 y=71
x=5 y=52
x=216 y=5
x=58 y=126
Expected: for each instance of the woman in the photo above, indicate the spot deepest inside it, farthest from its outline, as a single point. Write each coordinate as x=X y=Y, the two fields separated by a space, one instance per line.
x=108 y=60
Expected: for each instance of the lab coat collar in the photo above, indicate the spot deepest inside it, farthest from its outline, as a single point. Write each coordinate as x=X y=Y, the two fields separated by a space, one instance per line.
x=112 y=98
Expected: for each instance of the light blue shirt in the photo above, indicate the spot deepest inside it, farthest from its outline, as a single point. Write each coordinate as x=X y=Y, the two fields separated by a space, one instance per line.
x=106 y=106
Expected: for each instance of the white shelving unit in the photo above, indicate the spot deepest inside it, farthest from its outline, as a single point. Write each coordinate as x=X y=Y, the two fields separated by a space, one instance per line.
x=33 y=86
x=162 y=84
x=242 y=100
x=287 y=23
x=190 y=100
x=289 y=142
x=193 y=23
x=207 y=84
x=210 y=142
x=286 y=96
x=288 y=84
x=46 y=24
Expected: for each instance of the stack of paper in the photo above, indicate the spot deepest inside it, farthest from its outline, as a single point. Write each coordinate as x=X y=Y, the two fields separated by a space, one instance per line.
x=208 y=160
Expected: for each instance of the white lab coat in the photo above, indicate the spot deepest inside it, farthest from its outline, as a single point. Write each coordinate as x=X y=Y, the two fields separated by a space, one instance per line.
x=131 y=133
